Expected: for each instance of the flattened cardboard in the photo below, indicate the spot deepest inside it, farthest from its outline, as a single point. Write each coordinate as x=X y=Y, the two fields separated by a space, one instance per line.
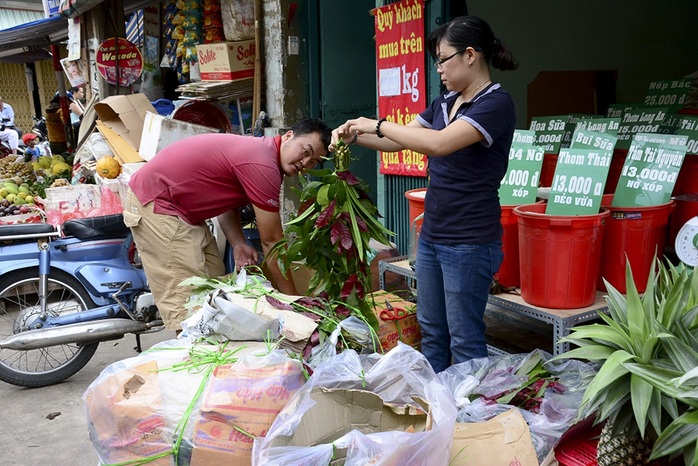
x=125 y=115
x=504 y=440
x=121 y=148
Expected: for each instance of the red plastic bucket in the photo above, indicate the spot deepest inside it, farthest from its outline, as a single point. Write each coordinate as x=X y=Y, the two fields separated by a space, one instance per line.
x=635 y=233
x=559 y=257
x=614 y=171
x=508 y=274
x=547 y=170
x=415 y=198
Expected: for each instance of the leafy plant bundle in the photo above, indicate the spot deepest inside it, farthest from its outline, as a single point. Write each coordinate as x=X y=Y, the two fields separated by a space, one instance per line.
x=327 y=314
x=648 y=348
x=331 y=234
x=529 y=395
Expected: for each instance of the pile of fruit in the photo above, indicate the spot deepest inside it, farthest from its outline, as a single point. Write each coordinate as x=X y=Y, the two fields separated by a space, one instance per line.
x=51 y=167
x=22 y=182
x=16 y=198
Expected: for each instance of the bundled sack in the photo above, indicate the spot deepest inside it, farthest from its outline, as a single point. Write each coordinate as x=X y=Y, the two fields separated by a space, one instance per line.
x=202 y=404
x=359 y=410
x=234 y=312
x=547 y=394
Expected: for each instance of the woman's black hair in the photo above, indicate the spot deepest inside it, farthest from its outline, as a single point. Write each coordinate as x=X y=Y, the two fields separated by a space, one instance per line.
x=470 y=31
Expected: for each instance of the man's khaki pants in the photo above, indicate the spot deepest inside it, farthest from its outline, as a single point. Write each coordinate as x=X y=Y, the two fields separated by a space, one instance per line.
x=171 y=250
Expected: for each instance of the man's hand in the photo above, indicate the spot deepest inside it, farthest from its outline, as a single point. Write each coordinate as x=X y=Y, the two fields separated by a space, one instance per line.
x=245 y=255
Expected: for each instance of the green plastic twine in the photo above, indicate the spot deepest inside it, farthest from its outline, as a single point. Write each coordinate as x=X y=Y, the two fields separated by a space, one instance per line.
x=200 y=359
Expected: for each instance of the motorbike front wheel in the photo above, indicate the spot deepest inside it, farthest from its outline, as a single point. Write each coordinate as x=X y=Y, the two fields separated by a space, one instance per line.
x=19 y=303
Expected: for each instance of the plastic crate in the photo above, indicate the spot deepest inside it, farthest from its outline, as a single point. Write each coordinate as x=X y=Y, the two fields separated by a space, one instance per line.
x=577 y=452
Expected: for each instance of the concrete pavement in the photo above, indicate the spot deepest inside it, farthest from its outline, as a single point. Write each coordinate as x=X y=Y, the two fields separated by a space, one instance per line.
x=29 y=438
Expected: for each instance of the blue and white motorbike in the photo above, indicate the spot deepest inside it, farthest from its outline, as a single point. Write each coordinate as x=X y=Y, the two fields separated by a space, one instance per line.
x=60 y=295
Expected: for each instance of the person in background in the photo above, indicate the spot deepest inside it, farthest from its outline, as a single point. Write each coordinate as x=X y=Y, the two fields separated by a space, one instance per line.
x=8 y=132
x=172 y=196
x=76 y=108
x=32 y=151
x=467 y=133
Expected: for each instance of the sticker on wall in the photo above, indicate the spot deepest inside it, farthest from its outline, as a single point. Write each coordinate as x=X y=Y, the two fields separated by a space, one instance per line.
x=119 y=60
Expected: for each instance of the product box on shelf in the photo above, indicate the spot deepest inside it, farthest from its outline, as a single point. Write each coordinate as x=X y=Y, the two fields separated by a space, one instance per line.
x=226 y=61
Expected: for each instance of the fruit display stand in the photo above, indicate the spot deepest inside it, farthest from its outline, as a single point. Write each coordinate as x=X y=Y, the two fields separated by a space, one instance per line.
x=562 y=320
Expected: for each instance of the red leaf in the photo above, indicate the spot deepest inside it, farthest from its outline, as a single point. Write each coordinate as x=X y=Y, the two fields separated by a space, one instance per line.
x=279 y=304
x=362 y=224
x=348 y=287
x=324 y=218
x=340 y=232
x=313 y=317
x=342 y=311
x=349 y=177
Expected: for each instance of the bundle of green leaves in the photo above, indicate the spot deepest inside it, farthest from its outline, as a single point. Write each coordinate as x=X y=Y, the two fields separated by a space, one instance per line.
x=331 y=234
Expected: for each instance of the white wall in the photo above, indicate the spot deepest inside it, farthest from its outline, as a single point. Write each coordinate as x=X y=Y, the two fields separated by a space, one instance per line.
x=644 y=40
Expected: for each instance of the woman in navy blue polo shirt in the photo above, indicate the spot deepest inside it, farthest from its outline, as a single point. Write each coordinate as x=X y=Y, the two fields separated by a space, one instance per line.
x=467 y=133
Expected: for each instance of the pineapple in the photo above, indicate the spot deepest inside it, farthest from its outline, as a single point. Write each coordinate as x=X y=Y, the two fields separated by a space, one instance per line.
x=621 y=449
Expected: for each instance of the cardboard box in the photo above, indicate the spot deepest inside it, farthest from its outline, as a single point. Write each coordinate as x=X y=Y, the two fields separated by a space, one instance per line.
x=503 y=440
x=226 y=61
x=159 y=132
x=338 y=411
x=238 y=404
x=125 y=115
x=395 y=325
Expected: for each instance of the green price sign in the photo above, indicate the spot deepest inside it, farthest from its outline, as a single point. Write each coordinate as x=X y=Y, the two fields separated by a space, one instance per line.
x=520 y=183
x=602 y=125
x=671 y=93
x=524 y=136
x=617 y=110
x=580 y=176
x=688 y=126
x=650 y=170
x=552 y=132
x=584 y=139
x=639 y=120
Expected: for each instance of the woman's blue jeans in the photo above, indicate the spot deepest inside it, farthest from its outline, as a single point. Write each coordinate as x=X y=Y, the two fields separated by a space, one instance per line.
x=453 y=283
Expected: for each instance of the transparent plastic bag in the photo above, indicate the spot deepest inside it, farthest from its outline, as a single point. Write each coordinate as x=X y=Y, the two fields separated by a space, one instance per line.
x=557 y=411
x=399 y=377
x=138 y=407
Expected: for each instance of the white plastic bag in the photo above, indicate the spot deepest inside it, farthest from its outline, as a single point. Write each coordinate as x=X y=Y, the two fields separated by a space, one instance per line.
x=399 y=378
x=495 y=374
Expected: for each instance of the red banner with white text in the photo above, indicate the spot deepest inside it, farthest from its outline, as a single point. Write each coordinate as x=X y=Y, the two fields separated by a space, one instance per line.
x=400 y=51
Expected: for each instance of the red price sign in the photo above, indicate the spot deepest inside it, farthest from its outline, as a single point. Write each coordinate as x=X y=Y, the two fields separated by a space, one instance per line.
x=119 y=61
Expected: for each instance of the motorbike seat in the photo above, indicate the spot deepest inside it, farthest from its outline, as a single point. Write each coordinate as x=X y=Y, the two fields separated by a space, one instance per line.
x=30 y=230
x=108 y=226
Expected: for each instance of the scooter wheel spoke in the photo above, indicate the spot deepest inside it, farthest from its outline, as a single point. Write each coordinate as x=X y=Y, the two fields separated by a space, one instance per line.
x=20 y=311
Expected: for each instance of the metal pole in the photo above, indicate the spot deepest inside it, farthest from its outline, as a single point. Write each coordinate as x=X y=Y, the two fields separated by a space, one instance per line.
x=65 y=109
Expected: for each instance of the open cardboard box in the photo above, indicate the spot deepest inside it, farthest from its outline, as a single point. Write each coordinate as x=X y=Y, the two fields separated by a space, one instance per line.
x=503 y=440
x=338 y=411
x=122 y=118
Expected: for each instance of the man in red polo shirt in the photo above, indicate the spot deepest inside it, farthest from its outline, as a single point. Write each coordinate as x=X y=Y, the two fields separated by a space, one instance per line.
x=207 y=176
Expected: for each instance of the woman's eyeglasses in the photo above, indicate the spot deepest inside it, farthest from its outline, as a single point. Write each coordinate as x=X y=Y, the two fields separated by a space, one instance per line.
x=440 y=63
